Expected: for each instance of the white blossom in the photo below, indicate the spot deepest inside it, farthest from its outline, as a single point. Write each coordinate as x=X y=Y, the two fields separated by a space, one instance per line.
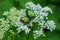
x=4 y=26
x=41 y=13
x=38 y=33
x=50 y=25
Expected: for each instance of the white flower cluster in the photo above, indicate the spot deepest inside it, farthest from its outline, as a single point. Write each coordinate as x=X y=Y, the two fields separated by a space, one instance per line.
x=50 y=25
x=14 y=17
x=4 y=26
x=25 y=28
x=41 y=16
x=38 y=33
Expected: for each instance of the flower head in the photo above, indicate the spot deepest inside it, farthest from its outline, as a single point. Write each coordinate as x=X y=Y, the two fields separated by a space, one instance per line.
x=23 y=20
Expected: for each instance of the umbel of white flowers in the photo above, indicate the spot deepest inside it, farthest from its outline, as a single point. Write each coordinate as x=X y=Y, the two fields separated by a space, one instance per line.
x=14 y=16
x=4 y=26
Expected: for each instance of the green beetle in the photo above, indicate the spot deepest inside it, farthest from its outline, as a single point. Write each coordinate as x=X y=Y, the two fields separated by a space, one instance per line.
x=30 y=13
x=24 y=19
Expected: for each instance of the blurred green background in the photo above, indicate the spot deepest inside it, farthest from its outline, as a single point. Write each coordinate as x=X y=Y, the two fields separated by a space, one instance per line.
x=5 y=5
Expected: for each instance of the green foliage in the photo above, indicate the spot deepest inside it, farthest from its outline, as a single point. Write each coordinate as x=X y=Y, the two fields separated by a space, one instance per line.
x=55 y=35
x=53 y=1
